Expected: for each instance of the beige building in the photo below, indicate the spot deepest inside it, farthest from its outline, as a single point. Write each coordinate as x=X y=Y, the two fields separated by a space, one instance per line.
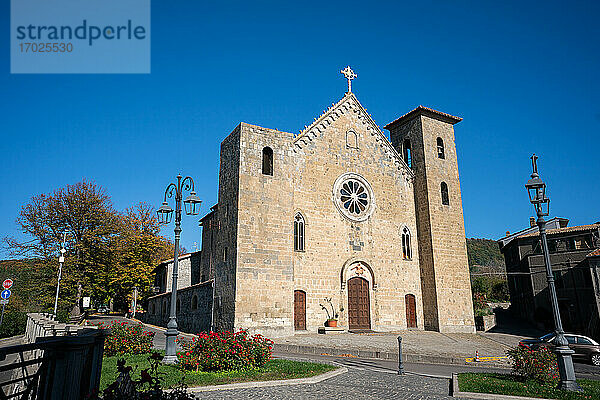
x=339 y=212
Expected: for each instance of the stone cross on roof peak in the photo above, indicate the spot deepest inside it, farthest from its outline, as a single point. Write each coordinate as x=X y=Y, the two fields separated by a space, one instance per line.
x=349 y=74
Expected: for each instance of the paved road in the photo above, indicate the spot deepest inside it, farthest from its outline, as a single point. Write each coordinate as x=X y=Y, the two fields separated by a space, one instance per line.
x=586 y=371
x=355 y=384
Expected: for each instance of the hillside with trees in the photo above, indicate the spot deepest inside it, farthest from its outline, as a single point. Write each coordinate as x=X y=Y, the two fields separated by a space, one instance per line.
x=484 y=252
x=488 y=273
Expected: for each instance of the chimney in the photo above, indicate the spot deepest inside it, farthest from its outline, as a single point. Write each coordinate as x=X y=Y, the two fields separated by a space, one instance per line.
x=531 y=221
x=507 y=233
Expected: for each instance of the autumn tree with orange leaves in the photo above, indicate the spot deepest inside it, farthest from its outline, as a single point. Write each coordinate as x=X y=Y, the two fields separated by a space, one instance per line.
x=108 y=252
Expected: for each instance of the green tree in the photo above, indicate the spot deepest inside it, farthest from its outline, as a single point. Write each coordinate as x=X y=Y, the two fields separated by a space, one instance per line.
x=138 y=250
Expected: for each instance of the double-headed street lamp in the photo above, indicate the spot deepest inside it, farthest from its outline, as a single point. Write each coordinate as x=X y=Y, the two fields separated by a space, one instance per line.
x=536 y=189
x=61 y=261
x=165 y=214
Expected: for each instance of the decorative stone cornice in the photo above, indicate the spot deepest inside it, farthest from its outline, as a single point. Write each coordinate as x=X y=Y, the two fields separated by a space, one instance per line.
x=350 y=104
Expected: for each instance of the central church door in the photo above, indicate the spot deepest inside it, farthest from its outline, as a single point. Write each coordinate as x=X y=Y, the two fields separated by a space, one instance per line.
x=359 y=316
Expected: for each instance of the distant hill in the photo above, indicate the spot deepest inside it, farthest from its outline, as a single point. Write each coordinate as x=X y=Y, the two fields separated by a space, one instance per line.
x=485 y=252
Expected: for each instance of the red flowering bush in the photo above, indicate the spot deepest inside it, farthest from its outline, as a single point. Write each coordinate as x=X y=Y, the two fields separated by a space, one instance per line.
x=539 y=364
x=223 y=351
x=126 y=338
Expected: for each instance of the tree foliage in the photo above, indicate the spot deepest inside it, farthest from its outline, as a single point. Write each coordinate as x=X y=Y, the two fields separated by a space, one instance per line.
x=484 y=252
x=108 y=252
x=138 y=250
x=492 y=288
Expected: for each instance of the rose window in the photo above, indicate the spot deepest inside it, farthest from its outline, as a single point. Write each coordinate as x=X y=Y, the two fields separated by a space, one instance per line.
x=353 y=196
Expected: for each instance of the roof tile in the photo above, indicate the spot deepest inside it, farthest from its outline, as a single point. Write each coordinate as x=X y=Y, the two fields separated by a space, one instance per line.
x=580 y=228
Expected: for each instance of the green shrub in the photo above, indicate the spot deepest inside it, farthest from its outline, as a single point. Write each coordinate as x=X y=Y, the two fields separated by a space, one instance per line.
x=539 y=365
x=126 y=338
x=13 y=324
x=62 y=316
x=225 y=351
x=499 y=291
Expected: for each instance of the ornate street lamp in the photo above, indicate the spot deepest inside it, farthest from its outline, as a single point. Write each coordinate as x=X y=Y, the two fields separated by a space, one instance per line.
x=61 y=261
x=537 y=196
x=165 y=214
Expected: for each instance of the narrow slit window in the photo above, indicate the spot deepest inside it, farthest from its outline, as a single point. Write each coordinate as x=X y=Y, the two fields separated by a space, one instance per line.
x=440 y=148
x=445 y=197
x=298 y=232
x=407 y=152
x=267 y=161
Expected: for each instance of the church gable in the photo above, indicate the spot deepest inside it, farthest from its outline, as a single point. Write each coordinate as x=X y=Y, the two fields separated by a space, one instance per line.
x=349 y=107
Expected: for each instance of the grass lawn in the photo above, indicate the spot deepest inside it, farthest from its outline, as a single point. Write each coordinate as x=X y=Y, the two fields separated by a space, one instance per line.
x=273 y=370
x=509 y=385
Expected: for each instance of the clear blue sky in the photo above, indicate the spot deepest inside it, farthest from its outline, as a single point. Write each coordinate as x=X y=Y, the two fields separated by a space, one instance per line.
x=523 y=75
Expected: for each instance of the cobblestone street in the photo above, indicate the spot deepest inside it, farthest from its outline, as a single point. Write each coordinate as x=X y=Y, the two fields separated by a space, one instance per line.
x=355 y=384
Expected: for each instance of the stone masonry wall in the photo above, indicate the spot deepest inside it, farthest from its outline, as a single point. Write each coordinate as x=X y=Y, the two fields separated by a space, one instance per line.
x=412 y=130
x=224 y=247
x=184 y=273
x=249 y=249
x=264 y=291
x=455 y=306
x=335 y=243
x=444 y=265
x=189 y=319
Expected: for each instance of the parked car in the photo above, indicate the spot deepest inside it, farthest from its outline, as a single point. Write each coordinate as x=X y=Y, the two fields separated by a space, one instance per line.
x=584 y=347
x=103 y=310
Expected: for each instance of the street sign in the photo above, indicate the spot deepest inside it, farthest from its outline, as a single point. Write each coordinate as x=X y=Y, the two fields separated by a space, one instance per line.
x=7 y=283
x=5 y=294
x=4 y=301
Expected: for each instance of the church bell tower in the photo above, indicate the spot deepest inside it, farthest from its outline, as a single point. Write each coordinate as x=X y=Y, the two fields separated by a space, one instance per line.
x=425 y=139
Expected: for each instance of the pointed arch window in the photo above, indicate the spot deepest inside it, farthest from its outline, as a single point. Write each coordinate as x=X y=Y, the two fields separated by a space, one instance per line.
x=298 y=232
x=445 y=197
x=406 y=249
x=407 y=152
x=440 y=148
x=267 y=161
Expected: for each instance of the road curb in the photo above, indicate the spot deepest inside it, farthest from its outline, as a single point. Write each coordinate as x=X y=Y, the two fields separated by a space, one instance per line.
x=490 y=396
x=283 y=382
x=381 y=355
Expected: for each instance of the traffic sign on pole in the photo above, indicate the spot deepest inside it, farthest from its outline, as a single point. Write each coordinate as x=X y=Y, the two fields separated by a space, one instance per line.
x=5 y=294
x=3 y=301
x=7 y=283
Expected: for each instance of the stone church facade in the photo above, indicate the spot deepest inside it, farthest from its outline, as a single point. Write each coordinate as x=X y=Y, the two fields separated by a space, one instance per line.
x=339 y=212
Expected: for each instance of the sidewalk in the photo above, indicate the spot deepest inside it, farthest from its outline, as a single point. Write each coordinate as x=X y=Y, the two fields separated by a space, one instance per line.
x=417 y=346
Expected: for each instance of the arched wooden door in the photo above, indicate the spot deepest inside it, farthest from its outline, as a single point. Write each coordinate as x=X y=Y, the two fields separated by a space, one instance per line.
x=299 y=310
x=411 y=311
x=359 y=315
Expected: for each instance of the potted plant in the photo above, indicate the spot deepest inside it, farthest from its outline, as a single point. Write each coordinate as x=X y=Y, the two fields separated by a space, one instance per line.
x=332 y=317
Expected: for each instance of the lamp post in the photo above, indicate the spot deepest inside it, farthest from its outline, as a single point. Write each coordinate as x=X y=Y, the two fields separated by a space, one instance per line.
x=165 y=213
x=61 y=261
x=536 y=189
